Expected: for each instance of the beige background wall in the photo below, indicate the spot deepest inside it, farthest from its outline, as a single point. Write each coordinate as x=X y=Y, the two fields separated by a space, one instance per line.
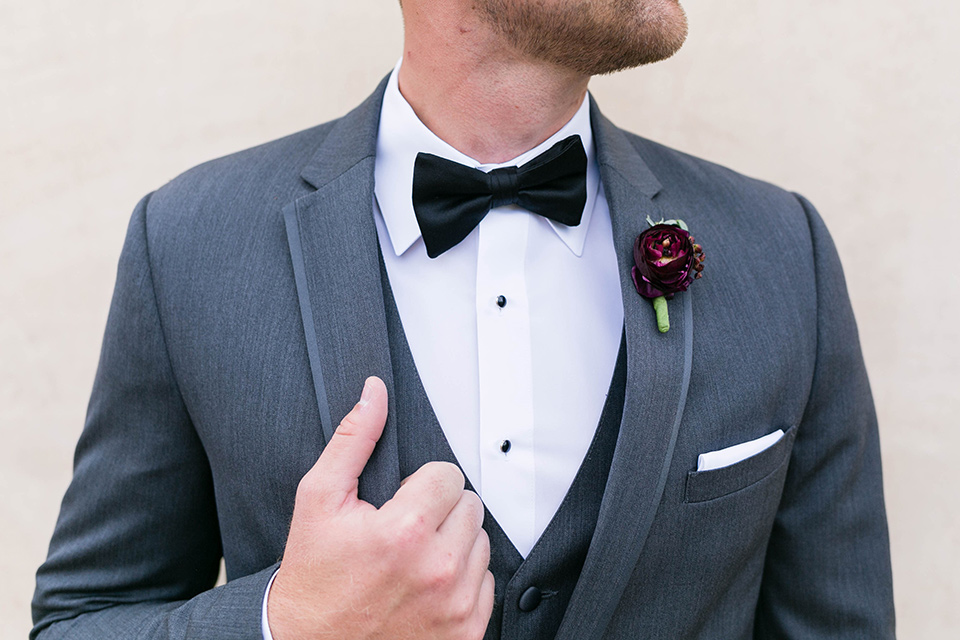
x=852 y=102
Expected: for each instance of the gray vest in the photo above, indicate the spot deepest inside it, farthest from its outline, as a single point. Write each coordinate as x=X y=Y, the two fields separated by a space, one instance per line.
x=531 y=594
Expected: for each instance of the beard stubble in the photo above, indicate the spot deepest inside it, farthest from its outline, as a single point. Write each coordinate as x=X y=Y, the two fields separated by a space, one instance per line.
x=590 y=37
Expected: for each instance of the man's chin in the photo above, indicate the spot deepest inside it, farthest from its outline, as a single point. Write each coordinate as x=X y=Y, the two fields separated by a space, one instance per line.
x=591 y=37
x=619 y=60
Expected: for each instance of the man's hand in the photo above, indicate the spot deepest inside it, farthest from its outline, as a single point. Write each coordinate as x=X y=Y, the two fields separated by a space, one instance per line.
x=415 y=568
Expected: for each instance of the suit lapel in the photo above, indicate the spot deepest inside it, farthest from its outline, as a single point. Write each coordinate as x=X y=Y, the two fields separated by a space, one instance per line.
x=334 y=251
x=658 y=374
x=335 y=255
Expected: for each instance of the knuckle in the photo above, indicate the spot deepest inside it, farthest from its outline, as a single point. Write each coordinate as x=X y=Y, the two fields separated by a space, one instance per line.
x=444 y=473
x=484 y=547
x=472 y=509
x=474 y=503
x=349 y=426
x=408 y=531
x=476 y=629
x=461 y=609
x=473 y=500
x=453 y=474
x=438 y=481
x=444 y=575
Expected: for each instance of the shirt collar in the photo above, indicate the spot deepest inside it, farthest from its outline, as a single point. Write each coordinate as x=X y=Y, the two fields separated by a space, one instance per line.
x=402 y=136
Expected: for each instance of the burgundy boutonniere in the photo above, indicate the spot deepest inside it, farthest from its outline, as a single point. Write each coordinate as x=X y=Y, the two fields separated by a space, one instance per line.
x=666 y=261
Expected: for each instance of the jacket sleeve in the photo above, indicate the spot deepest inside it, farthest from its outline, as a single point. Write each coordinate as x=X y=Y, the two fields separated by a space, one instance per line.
x=136 y=548
x=827 y=572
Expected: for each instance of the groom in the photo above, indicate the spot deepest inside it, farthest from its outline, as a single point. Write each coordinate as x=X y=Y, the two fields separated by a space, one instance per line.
x=530 y=455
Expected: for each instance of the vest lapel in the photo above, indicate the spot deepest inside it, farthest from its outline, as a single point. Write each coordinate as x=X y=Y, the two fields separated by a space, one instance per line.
x=334 y=252
x=658 y=374
x=555 y=561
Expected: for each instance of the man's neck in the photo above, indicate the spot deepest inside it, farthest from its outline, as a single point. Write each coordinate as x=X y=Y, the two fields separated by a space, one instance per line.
x=476 y=94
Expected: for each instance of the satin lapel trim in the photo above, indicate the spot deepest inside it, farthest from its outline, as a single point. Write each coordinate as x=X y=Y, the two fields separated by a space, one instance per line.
x=306 y=315
x=335 y=255
x=658 y=376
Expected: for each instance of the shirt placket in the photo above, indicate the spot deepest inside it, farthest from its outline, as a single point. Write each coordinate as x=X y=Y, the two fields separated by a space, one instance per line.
x=506 y=438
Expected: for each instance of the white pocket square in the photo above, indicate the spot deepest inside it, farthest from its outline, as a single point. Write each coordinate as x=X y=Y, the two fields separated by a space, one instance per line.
x=737 y=453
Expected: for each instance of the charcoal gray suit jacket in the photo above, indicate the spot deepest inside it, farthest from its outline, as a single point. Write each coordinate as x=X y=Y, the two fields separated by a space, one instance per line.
x=249 y=308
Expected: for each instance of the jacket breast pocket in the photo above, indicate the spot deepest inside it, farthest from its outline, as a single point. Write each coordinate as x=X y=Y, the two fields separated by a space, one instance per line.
x=708 y=485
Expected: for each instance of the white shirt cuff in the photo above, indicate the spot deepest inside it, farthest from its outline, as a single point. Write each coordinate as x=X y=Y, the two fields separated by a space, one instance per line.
x=264 y=625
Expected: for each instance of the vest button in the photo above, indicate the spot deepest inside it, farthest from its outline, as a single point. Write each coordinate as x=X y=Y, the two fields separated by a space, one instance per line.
x=530 y=599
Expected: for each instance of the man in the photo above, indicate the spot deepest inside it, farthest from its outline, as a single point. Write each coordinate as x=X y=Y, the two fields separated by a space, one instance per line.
x=720 y=479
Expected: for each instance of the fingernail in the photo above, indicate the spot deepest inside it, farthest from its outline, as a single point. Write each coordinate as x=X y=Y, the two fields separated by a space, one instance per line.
x=365 y=394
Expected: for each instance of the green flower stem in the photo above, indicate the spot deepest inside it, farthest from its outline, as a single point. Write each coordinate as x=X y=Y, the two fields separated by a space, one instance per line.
x=663 y=316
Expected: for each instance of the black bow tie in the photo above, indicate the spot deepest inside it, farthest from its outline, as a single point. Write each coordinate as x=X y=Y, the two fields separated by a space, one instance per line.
x=451 y=199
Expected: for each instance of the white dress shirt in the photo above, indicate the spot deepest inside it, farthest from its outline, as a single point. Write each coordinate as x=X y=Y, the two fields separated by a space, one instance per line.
x=534 y=372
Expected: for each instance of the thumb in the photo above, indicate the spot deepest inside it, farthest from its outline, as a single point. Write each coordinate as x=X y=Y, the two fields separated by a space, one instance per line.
x=337 y=471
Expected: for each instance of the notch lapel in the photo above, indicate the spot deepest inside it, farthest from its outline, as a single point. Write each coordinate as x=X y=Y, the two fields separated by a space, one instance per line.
x=335 y=255
x=658 y=375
